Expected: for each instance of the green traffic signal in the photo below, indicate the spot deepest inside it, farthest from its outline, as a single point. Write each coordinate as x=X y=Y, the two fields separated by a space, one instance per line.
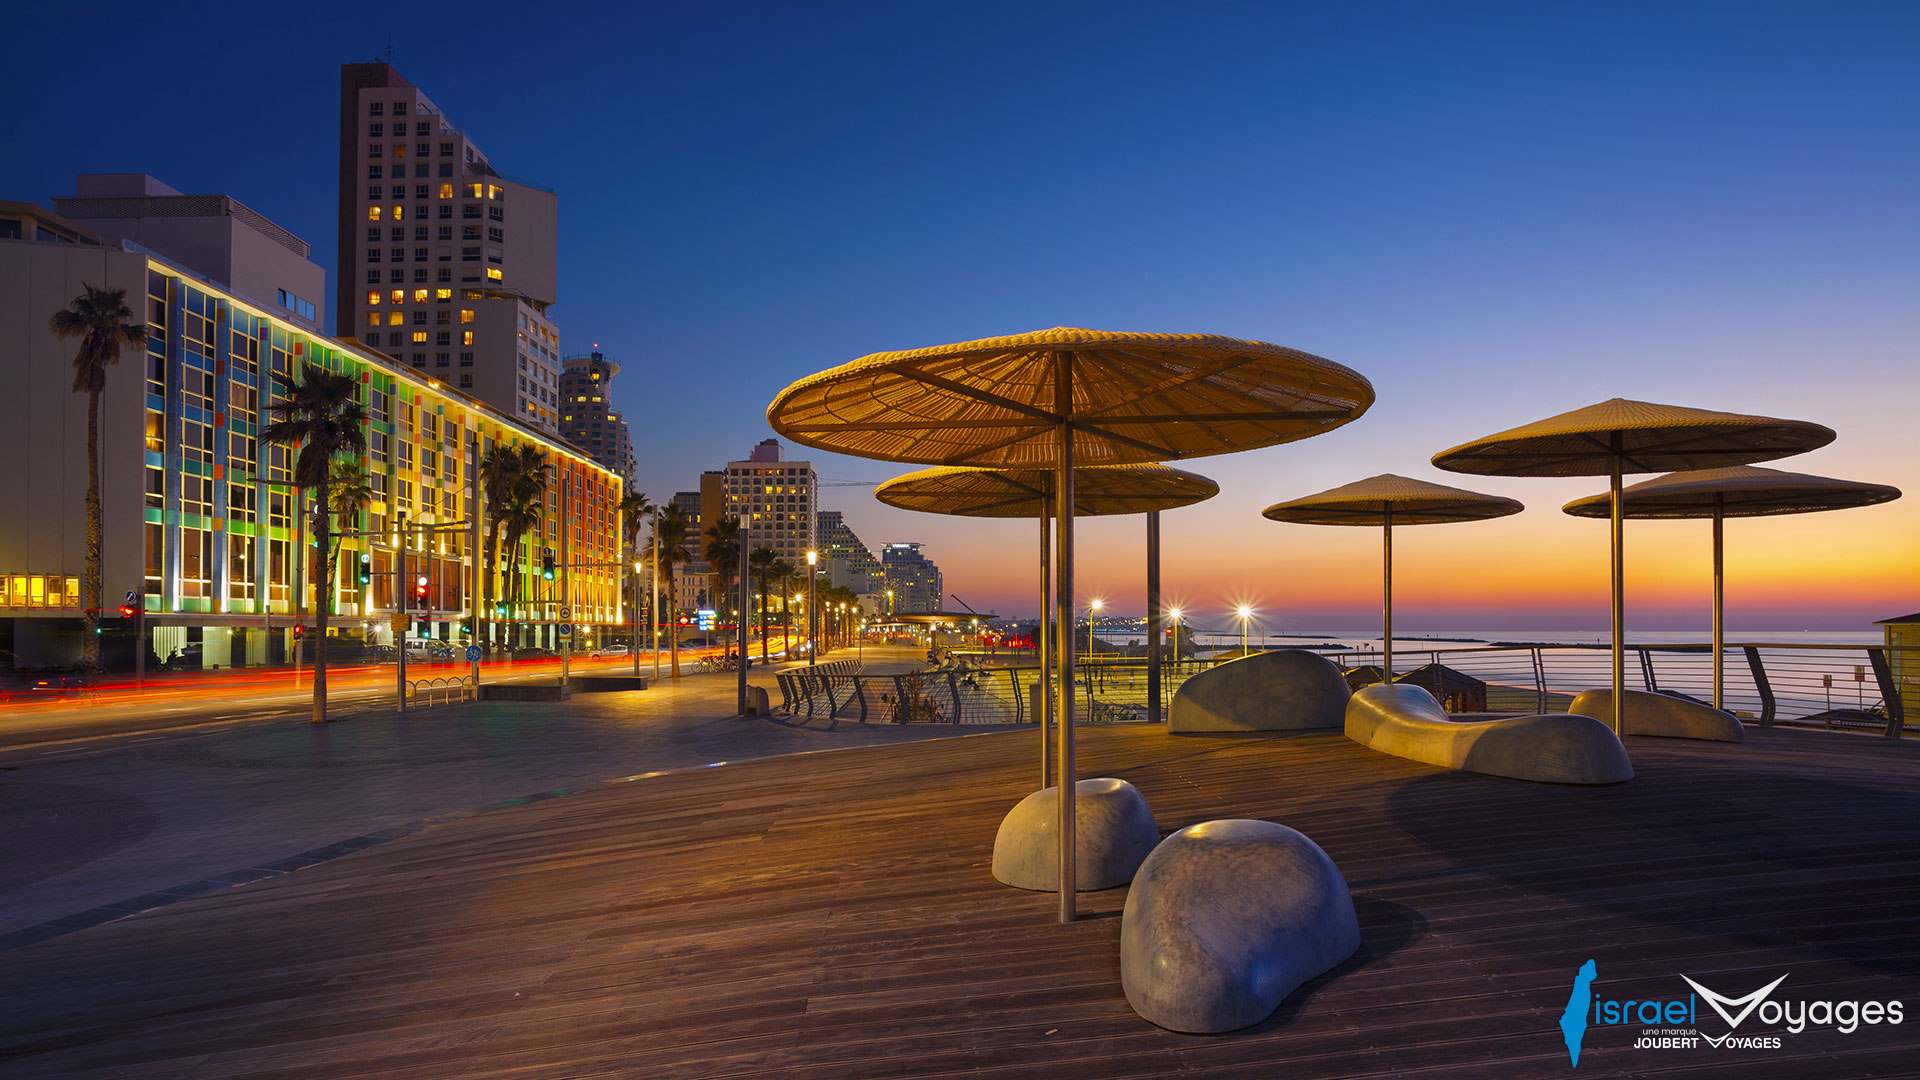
x=366 y=568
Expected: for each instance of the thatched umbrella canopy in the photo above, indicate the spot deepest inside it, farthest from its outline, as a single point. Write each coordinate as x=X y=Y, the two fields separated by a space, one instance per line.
x=1098 y=491
x=1067 y=398
x=1735 y=491
x=1388 y=500
x=1619 y=436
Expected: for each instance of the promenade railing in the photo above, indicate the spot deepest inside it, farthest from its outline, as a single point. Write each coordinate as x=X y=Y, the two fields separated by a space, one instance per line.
x=1851 y=687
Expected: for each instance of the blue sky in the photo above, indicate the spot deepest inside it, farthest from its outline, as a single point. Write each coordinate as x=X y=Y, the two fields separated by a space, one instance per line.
x=1494 y=211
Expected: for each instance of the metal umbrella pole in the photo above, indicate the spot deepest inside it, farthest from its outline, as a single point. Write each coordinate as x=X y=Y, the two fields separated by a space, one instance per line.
x=1386 y=599
x=1619 y=590
x=1044 y=641
x=1153 y=616
x=1719 y=594
x=1063 y=525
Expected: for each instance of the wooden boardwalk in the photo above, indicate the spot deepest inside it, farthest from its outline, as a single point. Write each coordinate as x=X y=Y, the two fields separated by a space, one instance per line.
x=832 y=916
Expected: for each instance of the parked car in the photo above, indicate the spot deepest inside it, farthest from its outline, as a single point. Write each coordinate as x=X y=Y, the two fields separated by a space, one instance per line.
x=535 y=652
x=428 y=649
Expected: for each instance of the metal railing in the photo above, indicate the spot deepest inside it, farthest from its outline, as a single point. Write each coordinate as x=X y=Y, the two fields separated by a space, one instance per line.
x=446 y=690
x=1853 y=687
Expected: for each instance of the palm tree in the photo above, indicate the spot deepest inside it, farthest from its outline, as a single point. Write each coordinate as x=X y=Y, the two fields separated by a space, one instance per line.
x=102 y=321
x=784 y=573
x=350 y=492
x=634 y=508
x=323 y=416
x=514 y=479
x=723 y=554
x=760 y=564
x=669 y=549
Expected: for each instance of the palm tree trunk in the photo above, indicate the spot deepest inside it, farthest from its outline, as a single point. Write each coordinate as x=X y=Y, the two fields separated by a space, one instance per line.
x=673 y=621
x=90 y=593
x=763 y=622
x=323 y=604
x=491 y=562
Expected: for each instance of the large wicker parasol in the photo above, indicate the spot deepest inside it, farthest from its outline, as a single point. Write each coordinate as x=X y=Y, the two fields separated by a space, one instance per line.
x=1063 y=398
x=1618 y=436
x=1098 y=491
x=1735 y=491
x=1388 y=500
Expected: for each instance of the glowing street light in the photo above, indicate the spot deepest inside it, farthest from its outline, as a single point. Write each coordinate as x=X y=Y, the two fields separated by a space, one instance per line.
x=813 y=648
x=1093 y=610
x=1246 y=613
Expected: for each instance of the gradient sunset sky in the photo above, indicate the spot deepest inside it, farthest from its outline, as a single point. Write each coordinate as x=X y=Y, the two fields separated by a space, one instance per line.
x=1496 y=212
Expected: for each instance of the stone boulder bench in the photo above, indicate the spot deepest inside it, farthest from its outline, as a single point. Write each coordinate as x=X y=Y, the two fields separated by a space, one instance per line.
x=1284 y=690
x=1556 y=748
x=1662 y=715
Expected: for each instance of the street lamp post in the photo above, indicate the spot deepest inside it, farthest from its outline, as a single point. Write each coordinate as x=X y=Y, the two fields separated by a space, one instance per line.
x=1245 y=614
x=813 y=640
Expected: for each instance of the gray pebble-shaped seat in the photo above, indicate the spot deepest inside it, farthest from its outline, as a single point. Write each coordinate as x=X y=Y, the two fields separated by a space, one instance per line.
x=1113 y=832
x=1555 y=748
x=1283 y=690
x=1662 y=715
x=1225 y=919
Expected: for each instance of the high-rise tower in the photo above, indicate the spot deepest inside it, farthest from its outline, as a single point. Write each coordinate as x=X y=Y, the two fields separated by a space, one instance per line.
x=445 y=264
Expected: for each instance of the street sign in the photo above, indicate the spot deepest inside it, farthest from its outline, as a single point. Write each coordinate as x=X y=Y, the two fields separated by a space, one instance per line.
x=400 y=622
x=566 y=613
x=566 y=629
x=129 y=597
x=473 y=654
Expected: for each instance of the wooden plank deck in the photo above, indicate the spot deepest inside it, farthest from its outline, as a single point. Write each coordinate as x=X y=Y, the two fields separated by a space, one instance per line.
x=832 y=916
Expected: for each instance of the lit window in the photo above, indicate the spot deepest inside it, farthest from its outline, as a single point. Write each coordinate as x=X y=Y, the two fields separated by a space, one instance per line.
x=446 y=191
x=419 y=296
x=443 y=294
x=395 y=318
x=420 y=338
x=399 y=296
x=466 y=337
x=473 y=190
x=399 y=213
x=399 y=149
x=466 y=315
x=373 y=318
x=373 y=213
x=493 y=273
x=493 y=192
x=373 y=297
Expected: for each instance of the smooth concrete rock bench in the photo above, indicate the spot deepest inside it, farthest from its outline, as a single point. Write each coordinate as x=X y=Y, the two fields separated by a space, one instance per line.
x=1661 y=715
x=1113 y=830
x=1286 y=690
x=1556 y=748
x=1225 y=919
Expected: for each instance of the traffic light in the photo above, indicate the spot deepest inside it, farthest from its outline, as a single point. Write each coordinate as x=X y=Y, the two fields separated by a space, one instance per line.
x=366 y=568
x=546 y=563
x=499 y=611
x=420 y=590
x=466 y=627
x=126 y=611
x=299 y=631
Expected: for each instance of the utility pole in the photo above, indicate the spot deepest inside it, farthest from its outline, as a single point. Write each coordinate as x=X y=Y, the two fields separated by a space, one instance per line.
x=473 y=549
x=566 y=612
x=400 y=618
x=741 y=618
x=653 y=614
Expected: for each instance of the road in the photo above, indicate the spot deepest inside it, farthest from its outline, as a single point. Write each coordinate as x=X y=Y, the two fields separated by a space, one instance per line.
x=98 y=826
x=116 y=705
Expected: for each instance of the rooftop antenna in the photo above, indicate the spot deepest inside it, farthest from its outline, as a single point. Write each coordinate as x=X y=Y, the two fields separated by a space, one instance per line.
x=389 y=50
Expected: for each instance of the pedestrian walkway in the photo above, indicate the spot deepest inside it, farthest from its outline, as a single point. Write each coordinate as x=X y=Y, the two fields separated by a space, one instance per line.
x=136 y=823
x=833 y=917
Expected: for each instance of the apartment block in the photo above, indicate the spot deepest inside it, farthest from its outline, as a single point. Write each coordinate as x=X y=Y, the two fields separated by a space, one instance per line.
x=850 y=565
x=913 y=578
x=446 y=265
x=775 y=501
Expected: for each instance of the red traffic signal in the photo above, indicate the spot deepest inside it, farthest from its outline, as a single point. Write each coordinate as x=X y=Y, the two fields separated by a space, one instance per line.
x=299 y=630
x=126 y=611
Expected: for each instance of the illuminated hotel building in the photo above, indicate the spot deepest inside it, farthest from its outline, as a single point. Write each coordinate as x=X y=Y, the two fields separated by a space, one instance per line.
x=445 y=264
x=774 y=500
x=200 y=515
x=916 y=582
